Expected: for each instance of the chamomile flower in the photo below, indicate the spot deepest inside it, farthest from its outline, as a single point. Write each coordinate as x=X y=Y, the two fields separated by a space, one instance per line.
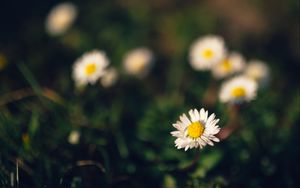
x=138 y=62
x=238 y=90
x=258 y=71
x=233 y=64
x=109 y=78
x=196 y=131
x=60 y=18
x=74 y=137
x=90 y=67
x=206 y=52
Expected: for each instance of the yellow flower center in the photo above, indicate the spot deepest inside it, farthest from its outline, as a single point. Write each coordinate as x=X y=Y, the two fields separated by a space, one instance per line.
x=138 y=66
x=238 y=92
x=195 y=129
x=208 y=53
x=226 y=65
x=90 y=69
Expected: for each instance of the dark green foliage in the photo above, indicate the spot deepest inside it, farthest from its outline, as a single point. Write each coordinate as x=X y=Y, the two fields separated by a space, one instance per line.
x=125 y=129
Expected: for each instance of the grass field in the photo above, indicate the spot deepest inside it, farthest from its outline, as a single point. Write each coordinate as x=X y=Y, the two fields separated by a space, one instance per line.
x=62 y=126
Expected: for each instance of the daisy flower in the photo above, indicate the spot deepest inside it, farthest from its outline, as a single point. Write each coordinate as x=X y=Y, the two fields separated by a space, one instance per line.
x=138 y=62
x=206 y=52
x=196 y=131
x=238 y=89
x=233 y=64
x=109 y=78
x=90 y=67
x=74 y=137
x=258 y=71
x=60 y=18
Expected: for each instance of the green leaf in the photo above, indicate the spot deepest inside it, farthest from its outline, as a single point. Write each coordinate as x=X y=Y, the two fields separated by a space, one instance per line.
x=34 y=124
x=211 y=159
x=169 y=182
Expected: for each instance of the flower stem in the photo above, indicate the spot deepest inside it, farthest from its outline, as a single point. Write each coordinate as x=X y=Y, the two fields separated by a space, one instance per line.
x=210 y=95
x=233 y=124
x=193 y=164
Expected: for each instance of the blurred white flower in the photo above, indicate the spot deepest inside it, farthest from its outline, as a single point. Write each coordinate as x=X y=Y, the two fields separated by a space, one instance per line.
x=90 y=67
x=74 y=137
x=196 y=131
x=60 y=18
x=238 y=89
x=138 y=62
x=233 y=64
x=207 y=51
x=110 y=77
x=258 y=71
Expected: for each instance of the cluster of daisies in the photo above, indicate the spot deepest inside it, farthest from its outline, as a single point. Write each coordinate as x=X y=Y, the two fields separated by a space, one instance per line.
x=243 y=80
x=240 y=79
x=93 y=67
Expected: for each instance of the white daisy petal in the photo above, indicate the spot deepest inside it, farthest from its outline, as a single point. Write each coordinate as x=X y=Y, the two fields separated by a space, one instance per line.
x=176 y=133
x=201 y=142
x=185 y=119
x=215 y=139
x=215 y=130
x=203 y=115
x=207 y=140
x=193 y=118
x=177 y=126
x=259 y=71
x=197 y=115
x=215 y=122
x=211 y=118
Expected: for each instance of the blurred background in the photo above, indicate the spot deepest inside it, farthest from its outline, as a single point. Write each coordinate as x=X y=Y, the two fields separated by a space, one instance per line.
x=124 y=131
